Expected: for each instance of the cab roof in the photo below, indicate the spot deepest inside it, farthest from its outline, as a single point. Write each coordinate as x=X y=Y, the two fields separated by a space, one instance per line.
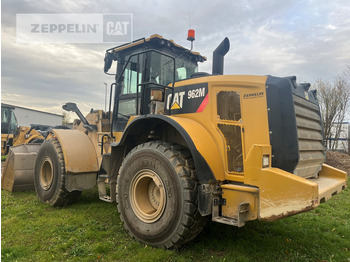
x=154 y=42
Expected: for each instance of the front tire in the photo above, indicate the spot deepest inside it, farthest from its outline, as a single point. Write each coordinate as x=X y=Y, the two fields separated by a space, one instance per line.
x=157 y=195
x=49 y=176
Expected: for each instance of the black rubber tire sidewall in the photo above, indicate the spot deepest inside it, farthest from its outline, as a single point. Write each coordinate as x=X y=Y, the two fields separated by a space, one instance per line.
x=47 y=149
x=159 y=231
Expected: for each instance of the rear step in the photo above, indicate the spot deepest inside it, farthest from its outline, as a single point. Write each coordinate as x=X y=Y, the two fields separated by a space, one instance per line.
x=238 y=204
x=103 y=182
x=18 y=172
x=239 y=220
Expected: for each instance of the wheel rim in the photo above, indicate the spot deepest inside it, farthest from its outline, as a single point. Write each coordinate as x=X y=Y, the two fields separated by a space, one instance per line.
x=148 y=198
x=46 y=173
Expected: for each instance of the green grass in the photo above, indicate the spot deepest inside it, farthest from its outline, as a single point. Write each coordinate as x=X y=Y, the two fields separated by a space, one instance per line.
x=91 y=230
x=3 y=158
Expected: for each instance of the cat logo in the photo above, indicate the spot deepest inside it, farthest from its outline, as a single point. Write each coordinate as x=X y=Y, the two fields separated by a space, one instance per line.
x=178 y=100
x=117 y=28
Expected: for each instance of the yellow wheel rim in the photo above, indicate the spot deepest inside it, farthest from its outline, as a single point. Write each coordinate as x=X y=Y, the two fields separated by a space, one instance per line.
x=46 y=173
x=147 y=196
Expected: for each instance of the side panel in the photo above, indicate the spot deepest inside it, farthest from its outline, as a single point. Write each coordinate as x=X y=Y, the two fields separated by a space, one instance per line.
x=79 y=152
x=217 y=115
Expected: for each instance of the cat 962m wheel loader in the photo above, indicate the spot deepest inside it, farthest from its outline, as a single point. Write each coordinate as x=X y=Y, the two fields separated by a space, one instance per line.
x=182 y=145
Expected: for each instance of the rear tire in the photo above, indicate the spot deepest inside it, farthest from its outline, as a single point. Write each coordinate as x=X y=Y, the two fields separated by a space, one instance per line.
x=50 y=174
x=157 y=195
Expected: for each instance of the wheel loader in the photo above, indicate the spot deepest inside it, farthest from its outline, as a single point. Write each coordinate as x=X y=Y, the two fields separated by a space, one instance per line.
x=21 y=148
x=8 y=127
x=13 y=135
x=181 y=146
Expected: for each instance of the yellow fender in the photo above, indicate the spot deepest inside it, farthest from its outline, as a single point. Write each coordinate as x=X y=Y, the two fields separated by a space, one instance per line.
x=205 y=145
x=79 y=153
x=205 y=152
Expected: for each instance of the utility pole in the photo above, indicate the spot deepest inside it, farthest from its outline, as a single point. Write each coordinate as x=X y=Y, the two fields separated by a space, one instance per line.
x=106 y=98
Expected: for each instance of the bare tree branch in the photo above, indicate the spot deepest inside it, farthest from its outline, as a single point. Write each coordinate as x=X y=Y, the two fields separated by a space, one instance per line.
x=334 y=101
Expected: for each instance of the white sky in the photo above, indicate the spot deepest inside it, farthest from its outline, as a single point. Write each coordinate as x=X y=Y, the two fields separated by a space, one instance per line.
x=309 y=39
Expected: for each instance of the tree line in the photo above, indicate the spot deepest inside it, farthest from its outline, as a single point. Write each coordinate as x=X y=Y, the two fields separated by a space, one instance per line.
x=334 y=100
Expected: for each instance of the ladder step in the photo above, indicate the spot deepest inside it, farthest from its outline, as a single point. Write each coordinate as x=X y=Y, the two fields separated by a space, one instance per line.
x=226 y=220
x=106 y=199
x=102 y=189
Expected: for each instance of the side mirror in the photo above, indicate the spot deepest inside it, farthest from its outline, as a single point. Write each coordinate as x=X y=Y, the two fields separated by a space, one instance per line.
x=70 y=107
x=108 y=61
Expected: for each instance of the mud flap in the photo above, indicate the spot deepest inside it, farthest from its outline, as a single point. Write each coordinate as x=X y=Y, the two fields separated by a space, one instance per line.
x=18 y=172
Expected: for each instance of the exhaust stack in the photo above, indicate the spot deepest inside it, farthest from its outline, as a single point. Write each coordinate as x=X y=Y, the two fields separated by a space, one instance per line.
x=218 y=57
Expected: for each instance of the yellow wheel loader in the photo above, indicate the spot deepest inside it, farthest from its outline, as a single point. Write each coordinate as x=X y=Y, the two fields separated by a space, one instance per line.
x=8 y=127
x=17 y=174
x=12 y=135
x=181 y=146
x=22 y=147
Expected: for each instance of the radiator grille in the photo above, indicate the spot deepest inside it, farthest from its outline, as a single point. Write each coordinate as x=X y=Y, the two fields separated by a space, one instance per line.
x=310 y=138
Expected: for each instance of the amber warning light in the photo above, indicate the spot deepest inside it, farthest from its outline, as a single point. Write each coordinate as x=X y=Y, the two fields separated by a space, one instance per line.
x=190 y=37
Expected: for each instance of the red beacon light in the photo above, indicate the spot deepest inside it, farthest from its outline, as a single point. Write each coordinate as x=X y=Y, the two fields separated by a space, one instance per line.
x=190 y=37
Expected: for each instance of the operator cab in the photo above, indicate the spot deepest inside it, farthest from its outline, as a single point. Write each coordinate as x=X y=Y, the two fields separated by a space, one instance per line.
x=8 y=119
x=146 y=68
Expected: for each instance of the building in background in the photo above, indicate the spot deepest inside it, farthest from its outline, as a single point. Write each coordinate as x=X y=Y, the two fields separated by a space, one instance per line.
x=27 y=116
x=341 y=144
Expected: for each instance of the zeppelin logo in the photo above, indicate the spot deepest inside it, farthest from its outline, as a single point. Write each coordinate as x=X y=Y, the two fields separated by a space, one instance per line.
x=64 y=28
x=253 y=95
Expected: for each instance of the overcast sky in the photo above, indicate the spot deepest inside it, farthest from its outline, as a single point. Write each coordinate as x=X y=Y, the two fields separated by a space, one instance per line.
x=309 y=39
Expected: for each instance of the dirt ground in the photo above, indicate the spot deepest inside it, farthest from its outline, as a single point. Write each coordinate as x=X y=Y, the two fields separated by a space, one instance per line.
x=339 y=160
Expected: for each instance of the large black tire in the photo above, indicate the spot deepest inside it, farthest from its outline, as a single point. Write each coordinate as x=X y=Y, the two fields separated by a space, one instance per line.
x=157 y=195
x=49 y=176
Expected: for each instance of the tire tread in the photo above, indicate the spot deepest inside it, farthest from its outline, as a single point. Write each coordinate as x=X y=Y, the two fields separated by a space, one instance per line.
x=62 y=196
x=192 y=222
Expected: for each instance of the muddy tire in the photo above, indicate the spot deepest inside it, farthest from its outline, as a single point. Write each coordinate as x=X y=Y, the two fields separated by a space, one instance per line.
x=49 y=176
x=157 y=195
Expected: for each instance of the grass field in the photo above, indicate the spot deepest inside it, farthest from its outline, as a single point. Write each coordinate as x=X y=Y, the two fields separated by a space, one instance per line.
x=90 y=230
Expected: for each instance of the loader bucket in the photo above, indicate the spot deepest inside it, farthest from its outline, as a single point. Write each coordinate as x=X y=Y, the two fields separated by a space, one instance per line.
x=18 y=172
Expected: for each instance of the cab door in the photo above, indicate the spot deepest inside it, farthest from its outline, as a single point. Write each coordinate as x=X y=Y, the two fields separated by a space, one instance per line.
x=129 y=92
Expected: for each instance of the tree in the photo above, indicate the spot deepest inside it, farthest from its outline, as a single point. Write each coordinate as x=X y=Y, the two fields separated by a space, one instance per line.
x=334 y=100
x=65 y=119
